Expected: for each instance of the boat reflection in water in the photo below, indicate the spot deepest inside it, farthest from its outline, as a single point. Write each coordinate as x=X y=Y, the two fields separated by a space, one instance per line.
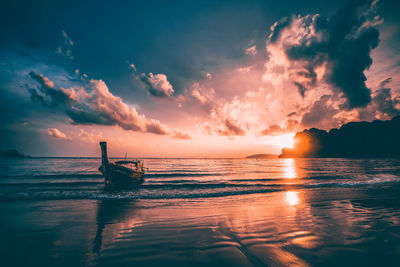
x=110 y=212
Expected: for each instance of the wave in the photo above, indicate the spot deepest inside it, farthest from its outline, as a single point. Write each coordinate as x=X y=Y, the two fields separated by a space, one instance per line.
x=195 y=174
x=52 y=176
x=91 y=175
x=51 y=184
x=179 y=174
x=204 y=186
x=59 y=195
x=187 y=191
x=319 y=177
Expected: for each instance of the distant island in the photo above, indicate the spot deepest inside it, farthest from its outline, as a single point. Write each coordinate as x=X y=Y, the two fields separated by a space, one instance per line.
x=353 y=140
x=12 y=153
x=262 y=156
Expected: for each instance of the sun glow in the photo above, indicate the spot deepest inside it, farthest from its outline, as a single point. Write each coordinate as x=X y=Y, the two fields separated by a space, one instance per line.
x=281 y=141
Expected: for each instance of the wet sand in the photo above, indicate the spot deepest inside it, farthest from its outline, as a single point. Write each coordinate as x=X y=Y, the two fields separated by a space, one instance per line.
x=300 y=227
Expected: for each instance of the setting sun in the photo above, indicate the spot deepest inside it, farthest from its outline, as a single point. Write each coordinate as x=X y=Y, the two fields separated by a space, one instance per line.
x=281 y=141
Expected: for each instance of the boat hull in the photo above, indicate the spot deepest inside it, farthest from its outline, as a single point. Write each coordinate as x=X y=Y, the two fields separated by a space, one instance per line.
x=116 y=176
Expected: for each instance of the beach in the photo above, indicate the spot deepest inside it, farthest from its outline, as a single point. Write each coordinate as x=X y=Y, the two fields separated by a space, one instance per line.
x=196 y=212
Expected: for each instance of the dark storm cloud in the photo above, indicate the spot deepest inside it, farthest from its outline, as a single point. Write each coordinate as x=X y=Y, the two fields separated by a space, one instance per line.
x=384 y=100
x=383 y=103
x=94 y=106
x=343 y=42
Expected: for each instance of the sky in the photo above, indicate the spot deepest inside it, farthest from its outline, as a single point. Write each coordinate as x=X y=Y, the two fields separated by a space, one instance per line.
x=191 y=78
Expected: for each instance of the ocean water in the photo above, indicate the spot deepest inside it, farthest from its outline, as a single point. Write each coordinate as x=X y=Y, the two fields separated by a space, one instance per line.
x=229 y=212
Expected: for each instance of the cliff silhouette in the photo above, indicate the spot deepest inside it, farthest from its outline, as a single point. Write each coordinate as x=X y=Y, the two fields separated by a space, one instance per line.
x=262 y=156
x=352 y=140
x=12 y=153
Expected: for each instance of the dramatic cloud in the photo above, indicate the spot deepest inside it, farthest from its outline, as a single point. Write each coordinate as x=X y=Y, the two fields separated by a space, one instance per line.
x=383 y=104
x=158 y=84
x=95 y=106
x=309 y=50
x=225 y=115
x=53 y=132
x=156 y=127
x=326 y=112
x=384 y=101
x=47 y=94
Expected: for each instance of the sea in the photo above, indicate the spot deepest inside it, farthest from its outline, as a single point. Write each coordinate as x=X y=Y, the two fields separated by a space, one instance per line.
x=202 y=212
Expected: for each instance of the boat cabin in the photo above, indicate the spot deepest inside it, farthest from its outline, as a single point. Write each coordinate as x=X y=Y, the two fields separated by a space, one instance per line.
x=136 y=165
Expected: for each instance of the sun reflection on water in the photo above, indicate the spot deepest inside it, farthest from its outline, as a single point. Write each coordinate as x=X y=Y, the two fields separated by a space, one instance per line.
x=289 y=169
x=292 y=198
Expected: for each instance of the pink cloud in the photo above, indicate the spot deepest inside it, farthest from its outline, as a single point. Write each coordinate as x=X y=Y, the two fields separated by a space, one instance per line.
x=158 y=85
x=53 y=132
x=97 y=105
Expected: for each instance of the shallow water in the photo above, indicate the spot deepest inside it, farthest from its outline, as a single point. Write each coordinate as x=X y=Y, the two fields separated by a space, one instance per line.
x=230 y=212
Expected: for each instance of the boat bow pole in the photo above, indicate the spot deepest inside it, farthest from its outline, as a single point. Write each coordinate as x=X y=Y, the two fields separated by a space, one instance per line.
x=104 y=162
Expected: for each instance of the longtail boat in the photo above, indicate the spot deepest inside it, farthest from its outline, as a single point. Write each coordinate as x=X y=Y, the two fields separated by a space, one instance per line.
x=120 y=173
